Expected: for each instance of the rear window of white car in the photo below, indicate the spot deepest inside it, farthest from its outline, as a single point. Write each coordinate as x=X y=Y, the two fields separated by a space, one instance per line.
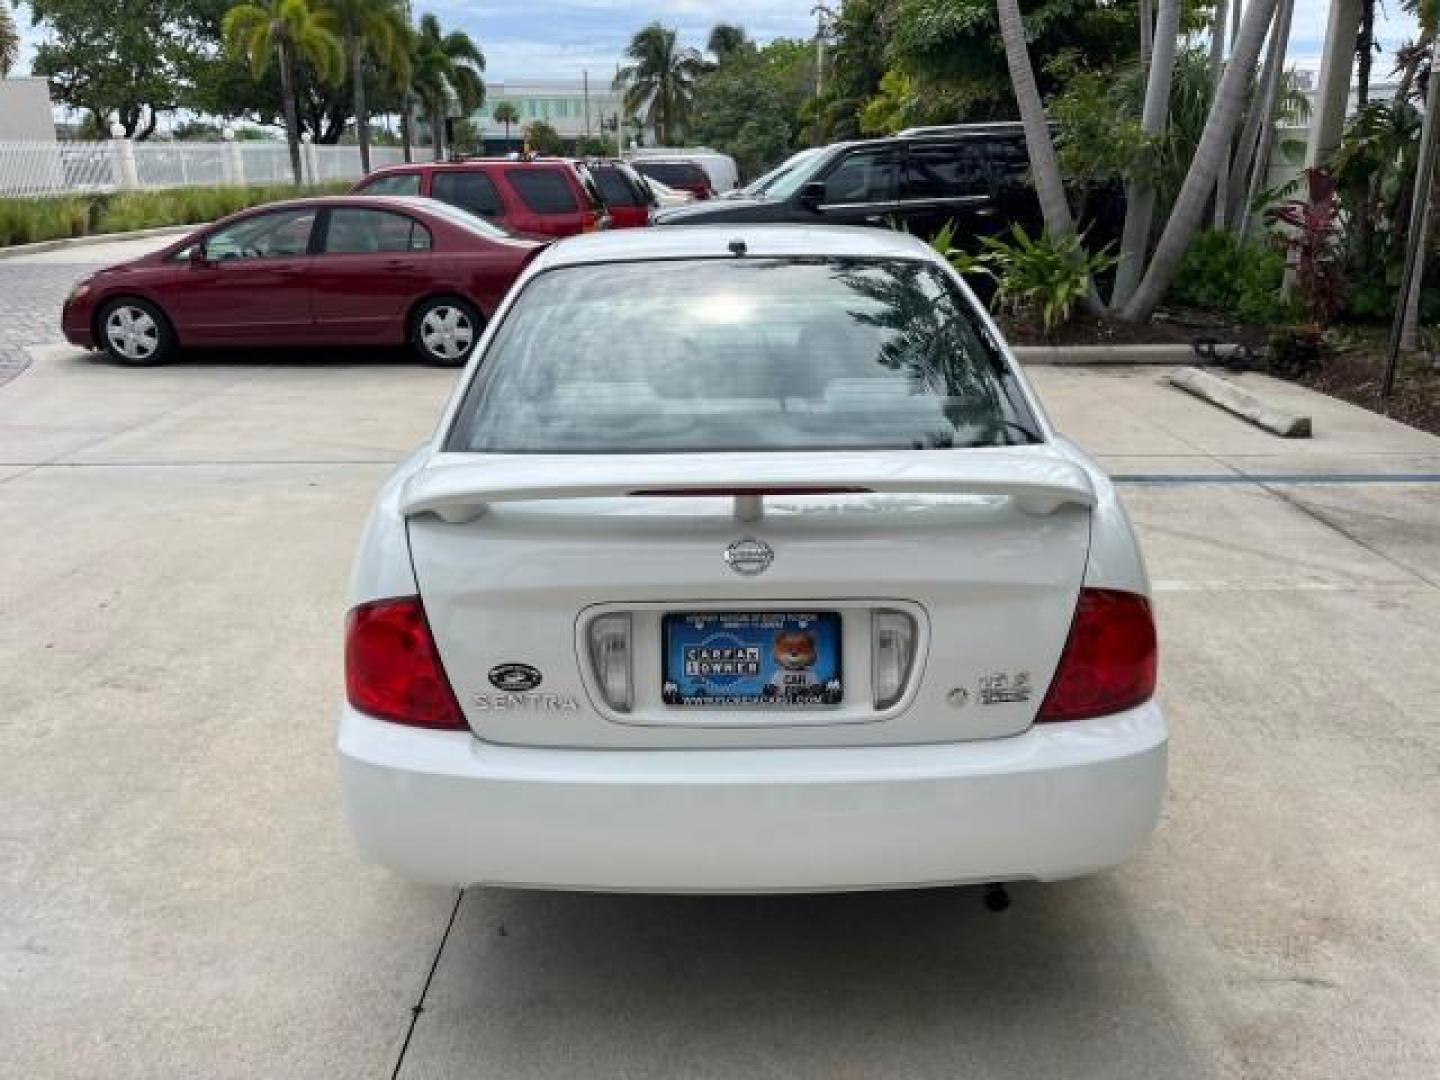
x=740 y=354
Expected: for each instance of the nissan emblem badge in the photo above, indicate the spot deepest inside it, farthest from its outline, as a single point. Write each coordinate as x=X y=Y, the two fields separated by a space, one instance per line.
x=749 y=556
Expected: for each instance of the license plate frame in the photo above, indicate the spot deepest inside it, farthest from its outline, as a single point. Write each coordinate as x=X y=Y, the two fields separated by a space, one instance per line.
x=734 y=660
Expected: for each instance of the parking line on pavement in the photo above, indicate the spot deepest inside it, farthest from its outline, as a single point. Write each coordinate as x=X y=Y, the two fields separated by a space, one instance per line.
x=419 y=1006
x=1177 y=479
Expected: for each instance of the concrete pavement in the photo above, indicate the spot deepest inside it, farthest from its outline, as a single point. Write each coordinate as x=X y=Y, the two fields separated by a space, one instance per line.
x=179 y=897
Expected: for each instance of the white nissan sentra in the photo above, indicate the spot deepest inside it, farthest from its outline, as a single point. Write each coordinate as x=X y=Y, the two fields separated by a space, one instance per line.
x=744 y=559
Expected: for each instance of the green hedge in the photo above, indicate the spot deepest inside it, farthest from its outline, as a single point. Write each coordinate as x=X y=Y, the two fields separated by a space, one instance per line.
x=1217 y=274
x=26 y=221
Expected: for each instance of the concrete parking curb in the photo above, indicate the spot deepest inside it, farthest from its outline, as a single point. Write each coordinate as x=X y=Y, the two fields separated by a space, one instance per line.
x=1105 y=354
x=18 y=250
x=1240 y=402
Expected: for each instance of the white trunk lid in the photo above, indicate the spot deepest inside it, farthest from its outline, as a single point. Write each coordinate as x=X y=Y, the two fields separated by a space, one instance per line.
x=984 y=549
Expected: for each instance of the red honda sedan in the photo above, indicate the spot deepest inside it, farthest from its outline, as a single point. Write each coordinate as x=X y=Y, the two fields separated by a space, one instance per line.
x=340 y=270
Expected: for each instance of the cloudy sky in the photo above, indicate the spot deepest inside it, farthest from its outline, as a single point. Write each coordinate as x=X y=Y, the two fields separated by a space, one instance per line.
x=561 y=38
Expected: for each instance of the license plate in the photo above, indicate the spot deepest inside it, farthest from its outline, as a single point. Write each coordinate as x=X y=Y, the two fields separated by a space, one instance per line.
x=768 y=659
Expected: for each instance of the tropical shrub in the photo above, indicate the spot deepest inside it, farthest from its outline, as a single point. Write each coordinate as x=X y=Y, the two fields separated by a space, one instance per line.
x=1219 y=275
x=1036 y=277
x=1312 y=237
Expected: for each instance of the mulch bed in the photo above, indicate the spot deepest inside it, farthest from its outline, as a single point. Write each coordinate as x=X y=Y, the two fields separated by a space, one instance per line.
x=1352 y=369
x=1354 y=374
x=1171 y=326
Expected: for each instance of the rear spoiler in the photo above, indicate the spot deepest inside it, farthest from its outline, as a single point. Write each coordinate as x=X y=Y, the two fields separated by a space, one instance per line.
x=1038 y=479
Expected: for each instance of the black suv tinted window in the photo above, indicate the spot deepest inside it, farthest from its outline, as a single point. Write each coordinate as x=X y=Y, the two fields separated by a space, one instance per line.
x=473 y=191
x=1009 y=162
x=544 y=191
x=863 y=176
x=615 y=186
x=945 y=170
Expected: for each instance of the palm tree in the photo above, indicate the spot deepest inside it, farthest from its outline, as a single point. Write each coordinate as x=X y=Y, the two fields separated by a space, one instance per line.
x=1140 y=198
x=9 y=41
x=1217 y=68
x=506 y=114
x=445 y=66
x=1204 y=169
x=369 y=29
x=661 y=82
x=1253 y=155
x=727 y=41
x=1364 y=53
x=285 y=31
x=1044 y=167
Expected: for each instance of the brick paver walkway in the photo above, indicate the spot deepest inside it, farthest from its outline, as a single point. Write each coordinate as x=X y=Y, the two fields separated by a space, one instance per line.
x=30 y=297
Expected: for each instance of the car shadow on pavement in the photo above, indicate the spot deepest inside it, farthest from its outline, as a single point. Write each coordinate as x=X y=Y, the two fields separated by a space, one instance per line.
x=306 y=356
x=922 y=983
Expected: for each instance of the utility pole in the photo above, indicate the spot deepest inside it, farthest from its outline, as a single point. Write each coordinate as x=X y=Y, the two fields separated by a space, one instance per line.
x=824 y=19
x=1407 y=303
x=585 y=80
x=407 y=103
x=619 y=118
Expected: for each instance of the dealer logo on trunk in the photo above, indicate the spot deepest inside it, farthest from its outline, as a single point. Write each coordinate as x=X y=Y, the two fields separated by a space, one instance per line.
x=749 y=556
x=515 y=678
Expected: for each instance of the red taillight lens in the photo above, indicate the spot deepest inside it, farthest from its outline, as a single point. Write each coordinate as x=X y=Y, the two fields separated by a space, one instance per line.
x=392 y=670
x=1109 y=660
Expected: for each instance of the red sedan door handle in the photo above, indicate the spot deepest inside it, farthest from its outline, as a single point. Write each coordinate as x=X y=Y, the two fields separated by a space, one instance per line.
x=399 y=264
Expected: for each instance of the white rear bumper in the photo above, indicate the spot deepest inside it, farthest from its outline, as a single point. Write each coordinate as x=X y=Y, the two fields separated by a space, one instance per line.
x=1060 y=800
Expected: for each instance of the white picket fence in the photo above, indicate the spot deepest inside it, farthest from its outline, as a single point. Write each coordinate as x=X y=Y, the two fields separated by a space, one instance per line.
x=67 y=168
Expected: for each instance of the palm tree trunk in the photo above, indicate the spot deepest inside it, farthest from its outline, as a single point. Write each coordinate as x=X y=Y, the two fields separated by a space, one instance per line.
x=1259 y=130
x=292 y=116
x=1046 y=169
x=1147 y=35
x=1205 y=166
x=1405 y=331
x=1364 y=53
x=1038 y=146
x=1140 y=196
x=362 y=116
x=1217 y=68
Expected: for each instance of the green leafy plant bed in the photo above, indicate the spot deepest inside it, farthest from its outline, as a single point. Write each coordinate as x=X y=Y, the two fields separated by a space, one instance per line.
x=29 y=221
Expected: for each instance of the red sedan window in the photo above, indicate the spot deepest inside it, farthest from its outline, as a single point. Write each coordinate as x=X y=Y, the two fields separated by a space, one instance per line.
x=280 y=235
x=358 y=232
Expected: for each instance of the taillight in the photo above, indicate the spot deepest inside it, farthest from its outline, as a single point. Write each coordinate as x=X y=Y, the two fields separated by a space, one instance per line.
x=1109 y=660
x=392 y=670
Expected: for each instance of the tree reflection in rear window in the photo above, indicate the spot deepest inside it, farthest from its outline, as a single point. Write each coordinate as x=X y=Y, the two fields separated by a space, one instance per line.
x=740 y=354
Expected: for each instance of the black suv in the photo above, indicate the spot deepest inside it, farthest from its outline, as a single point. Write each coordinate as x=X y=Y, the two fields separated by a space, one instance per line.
x=972 y=174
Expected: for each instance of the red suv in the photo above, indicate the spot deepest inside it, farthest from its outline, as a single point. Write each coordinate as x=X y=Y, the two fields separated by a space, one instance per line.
x=538 y=198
